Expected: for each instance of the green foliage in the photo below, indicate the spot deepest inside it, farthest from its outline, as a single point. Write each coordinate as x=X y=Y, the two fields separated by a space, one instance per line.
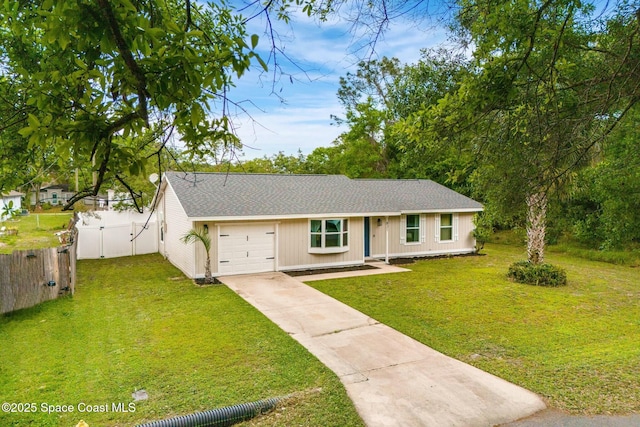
x=605 y=209
x=277 y=163
x=197 y=235
x=322 y=161
x=383 y=103
x=202 y=236
x=100 y=78
x=103 y=85
x=568 y=245
x=363 y=150
x=537 y=274
x=13 y=156
x=8 y=212
x=540 y=96
x=483 y=229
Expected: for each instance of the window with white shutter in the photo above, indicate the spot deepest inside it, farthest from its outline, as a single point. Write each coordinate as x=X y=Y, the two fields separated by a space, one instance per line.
x=412 y=229
x=447 y=228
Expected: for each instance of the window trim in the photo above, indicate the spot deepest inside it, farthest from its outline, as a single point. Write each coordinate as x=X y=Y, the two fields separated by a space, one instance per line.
x=323 y=249
x=421 y=228
x=418 y=228
x=453 y=227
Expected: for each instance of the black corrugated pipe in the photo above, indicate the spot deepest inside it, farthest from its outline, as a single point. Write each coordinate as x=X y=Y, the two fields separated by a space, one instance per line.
x=220 y=417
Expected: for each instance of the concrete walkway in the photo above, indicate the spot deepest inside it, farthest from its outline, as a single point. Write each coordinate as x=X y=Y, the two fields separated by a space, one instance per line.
x=392 y=379
x=555 y=418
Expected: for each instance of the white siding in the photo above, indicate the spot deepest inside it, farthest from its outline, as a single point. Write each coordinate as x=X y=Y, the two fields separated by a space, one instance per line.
x=176 y=225
x=463 y=242
x=293 y=246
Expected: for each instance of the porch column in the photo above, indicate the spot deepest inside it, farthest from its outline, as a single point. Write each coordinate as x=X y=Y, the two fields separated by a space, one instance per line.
x=386 y=239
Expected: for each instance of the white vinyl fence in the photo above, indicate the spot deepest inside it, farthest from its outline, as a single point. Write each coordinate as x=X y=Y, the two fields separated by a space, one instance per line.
x=108 y=234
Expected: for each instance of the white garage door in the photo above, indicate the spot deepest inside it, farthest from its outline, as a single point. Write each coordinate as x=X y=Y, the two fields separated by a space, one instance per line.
x=246 y=248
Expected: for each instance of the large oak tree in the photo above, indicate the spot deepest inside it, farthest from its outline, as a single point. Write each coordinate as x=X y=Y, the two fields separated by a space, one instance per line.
x=549 y=81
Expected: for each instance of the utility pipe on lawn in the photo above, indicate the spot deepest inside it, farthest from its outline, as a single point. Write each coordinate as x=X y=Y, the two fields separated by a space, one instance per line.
x=226 y=416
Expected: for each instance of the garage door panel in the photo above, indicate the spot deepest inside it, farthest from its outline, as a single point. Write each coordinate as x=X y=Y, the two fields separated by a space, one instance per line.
x=246 y=249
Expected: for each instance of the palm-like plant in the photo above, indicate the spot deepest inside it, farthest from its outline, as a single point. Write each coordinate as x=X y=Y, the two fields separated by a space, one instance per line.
x=7 y=211
x=200 y=235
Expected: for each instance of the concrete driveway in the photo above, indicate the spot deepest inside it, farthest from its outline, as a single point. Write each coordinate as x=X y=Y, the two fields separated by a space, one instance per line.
x=392 y=379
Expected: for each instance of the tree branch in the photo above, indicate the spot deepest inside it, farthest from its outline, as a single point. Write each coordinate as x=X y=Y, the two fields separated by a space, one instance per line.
x=131 y=193
x=102 y=170
x=127 y=56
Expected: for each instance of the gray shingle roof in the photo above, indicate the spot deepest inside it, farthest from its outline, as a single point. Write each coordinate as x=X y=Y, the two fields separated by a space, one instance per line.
x=217 y=195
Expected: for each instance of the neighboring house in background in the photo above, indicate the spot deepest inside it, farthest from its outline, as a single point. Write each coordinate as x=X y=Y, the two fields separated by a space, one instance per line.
x=260 y=222
x=59 y=194
x=55 y=194
x=12 y=196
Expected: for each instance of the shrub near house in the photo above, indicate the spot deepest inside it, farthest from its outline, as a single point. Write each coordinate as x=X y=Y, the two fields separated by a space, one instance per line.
x=537 y=274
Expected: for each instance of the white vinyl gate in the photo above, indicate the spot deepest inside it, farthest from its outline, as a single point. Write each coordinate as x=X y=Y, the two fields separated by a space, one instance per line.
x=110 y=239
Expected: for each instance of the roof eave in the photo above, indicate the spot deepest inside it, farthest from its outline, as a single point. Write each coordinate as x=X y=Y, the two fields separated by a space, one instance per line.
x=325 y=215
x=444 y=210
x=289 y=216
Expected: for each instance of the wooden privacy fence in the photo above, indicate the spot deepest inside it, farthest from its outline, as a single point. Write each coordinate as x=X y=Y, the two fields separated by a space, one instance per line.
x=30 y=277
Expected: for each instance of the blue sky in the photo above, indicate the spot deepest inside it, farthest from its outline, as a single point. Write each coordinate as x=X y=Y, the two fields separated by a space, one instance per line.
x=297 y=116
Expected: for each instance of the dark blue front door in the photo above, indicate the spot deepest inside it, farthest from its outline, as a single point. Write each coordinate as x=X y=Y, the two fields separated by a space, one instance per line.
x=367 y=251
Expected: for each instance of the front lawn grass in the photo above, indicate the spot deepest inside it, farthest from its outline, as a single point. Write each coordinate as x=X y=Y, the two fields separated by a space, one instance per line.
x=577 y=345
x=35 y=231
x=137 y=323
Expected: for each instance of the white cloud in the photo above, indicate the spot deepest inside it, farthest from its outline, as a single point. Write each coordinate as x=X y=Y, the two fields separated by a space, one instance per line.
x=288 y=129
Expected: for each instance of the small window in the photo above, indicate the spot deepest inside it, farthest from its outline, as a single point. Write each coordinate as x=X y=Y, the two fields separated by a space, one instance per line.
x=413 y=228
x=345 y=232
x=161 y=219
x=446 y=227
x=333 y=233
x=328 y=235
x=316 y=233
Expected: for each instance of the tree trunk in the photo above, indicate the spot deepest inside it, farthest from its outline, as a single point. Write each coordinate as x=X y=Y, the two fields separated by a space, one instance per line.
x=36 y=191
x=207 y=270
x=536 y=227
